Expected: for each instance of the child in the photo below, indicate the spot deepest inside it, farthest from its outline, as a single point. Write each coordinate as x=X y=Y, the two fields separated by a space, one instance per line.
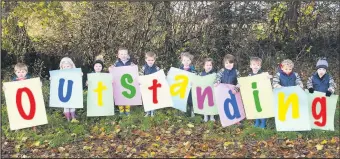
x=20 y=71
x=228 y=74
x=208 y=69
x=285 y=77
x=98 y=66
x=149 y=68
x=320 y=80
x=186 y=59
x=255 y=65
x=123 y=60
x=67 y=63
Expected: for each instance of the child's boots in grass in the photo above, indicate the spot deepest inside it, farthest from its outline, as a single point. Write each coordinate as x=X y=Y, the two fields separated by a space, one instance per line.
x=257 y=123
x=73 y=115
x=263 y=123
x=67 y=115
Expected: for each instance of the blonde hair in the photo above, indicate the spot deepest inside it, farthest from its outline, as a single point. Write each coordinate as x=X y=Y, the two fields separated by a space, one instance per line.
x=188 y=55
x=287 y=62
x=99 y=57
x=230 y=58
x=256 y=59
x=66 y=60
x=150 y=54
x=20 y=66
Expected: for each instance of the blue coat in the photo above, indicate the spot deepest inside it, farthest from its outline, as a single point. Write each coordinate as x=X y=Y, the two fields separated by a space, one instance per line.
x=320 y=84
x=287 y=80
x=149 y=70
x=229 y=76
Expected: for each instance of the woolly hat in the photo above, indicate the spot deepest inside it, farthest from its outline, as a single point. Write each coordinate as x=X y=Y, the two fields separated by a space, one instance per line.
x=322 y=63
x=98 y=61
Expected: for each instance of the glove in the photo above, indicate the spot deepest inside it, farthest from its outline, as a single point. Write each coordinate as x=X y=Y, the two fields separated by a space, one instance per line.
x=328 y=93
x=311 y=90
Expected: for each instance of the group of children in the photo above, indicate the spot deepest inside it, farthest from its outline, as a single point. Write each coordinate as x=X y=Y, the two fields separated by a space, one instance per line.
x=320 y=80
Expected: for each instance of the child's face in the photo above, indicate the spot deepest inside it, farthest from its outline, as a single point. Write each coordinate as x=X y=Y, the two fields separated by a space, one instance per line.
x=228 y=65
x=98 y=67
x=150 y=61
x=20 y=73
x=321 y=72
x=123 y=55
x=186 y=61
x=207 y=66
x=66 y=66
x=287 y=69
x=255 y=66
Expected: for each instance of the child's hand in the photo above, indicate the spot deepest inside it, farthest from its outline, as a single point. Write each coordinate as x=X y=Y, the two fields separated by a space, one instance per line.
x=110 y=68
x=278 y=86
x=86 y=83
x=50 y=78
x=81 y=73
x=41 y=84
x=270 y=76
x=216 y=84
x=4 y=88
x=233 y=91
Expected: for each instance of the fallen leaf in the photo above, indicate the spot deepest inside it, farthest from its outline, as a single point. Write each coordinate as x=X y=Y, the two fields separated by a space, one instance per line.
x=187 y=132
x=158 y=138
x=36 y=144
x=319 y=147
x=17 y=148
x=324 y=142
x=87 y=147
x=152 y=154
x=61 y=149
x=226 y=144
x=23 y=139
x=334 y=140
x=190 y=125
x=155 y=145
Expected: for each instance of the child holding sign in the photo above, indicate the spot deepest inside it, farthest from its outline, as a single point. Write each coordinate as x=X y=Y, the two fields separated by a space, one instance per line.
x=186 y=59
x=148 y=68
x=98 y=65
x=228 y=74
x=67 y=63
x=255 y=65
x=208 y=69
x=320 y=80
x=123 y=60
x=20 y=71
x=285 y=77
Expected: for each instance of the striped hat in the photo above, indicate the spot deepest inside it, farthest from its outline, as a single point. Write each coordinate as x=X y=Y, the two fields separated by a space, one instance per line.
x=322 y=63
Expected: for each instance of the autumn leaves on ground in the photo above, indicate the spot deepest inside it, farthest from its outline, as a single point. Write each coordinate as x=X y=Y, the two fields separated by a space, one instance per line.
x=168 y=134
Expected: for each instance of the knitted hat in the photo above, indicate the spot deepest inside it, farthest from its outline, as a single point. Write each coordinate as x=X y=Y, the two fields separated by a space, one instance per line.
x=322 y=63
x=100 y=62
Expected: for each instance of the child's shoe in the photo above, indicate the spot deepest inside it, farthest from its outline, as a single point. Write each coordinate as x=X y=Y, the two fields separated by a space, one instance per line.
x=74 y=120
x=152 y=113
x=263 y=123
x=67 y=115
x=147 y=114
x=257 y=123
